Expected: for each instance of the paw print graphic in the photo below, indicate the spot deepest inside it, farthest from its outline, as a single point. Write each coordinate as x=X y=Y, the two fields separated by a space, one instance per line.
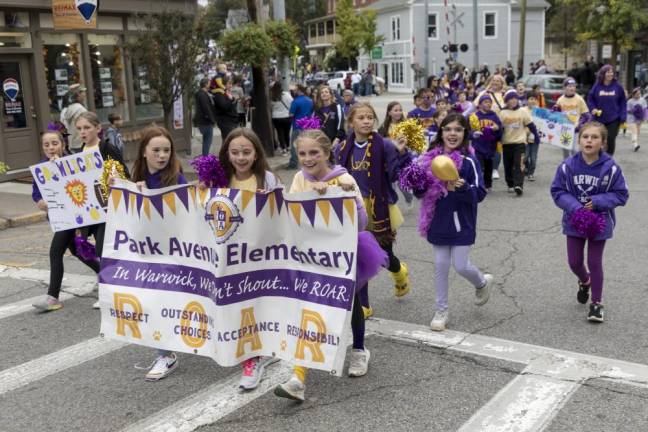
x=157 y=335
x=283 y=345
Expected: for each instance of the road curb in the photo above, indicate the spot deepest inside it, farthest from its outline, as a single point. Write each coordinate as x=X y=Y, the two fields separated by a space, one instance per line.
x=26 y=219
x=4 y=224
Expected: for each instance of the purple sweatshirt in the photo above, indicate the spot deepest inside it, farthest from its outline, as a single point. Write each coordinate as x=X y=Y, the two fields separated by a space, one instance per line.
x=576 y=183
x=484 y=147
x=154 y=181
x=36 y=195
x=610 y=99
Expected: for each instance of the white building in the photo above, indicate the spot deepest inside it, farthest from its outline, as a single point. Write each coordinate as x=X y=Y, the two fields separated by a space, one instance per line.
x=408 y=29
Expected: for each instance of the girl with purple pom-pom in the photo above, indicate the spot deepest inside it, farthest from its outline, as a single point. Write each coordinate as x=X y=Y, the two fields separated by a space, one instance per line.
x=448 y=218
x=587 y=187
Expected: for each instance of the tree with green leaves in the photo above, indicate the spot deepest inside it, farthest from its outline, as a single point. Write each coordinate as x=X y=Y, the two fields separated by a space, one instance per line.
x=349 y=30
x=215 y=15
x=168 y=48
x=616 y=22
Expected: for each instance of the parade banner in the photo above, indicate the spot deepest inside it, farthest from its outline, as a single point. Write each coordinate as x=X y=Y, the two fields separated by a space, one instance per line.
x=230 y=274
x=70 y=186
x=554 y=128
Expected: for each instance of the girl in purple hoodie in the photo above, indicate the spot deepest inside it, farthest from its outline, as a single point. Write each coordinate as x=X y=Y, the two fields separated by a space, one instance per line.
x=588 y=186
x=607 y=103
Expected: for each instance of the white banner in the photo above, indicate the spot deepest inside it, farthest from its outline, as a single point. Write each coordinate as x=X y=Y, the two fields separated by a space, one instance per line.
x=554 y=128
x=70 y=187
x=230 y=274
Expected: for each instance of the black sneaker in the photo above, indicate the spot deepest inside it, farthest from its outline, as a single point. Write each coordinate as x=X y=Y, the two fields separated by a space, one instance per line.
x=595 y=313
x=518 y=190
x=583 y=292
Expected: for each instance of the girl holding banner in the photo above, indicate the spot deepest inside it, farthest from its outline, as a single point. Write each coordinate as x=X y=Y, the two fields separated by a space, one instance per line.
x=314 y=150
x=53 y=148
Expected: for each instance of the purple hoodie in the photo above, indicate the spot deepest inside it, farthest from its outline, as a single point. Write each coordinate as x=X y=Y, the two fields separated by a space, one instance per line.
x=576 y=183
x=484 y=147
x=608 y=98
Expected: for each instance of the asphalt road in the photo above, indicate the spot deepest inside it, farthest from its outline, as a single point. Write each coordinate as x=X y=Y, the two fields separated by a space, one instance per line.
x=528 y=360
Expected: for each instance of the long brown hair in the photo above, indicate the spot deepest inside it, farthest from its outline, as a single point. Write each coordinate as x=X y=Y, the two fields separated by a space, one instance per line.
x=318 y=101
x=260 y=165
x=384 y=128
x=169 y=175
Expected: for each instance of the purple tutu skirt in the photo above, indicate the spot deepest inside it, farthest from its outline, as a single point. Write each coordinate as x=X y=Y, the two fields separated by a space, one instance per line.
x=371 y=257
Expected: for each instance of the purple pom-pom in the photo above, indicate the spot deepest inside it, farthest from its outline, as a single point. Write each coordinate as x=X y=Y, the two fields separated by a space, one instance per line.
x=371 y=257
x=84 y=249
x=488 y=134
x=587 y=223
x=414 y=177
x=584 y=118
x=311 y=122
x=210 y=171
x=638 y=112
x=556 y=108
x=458 y=108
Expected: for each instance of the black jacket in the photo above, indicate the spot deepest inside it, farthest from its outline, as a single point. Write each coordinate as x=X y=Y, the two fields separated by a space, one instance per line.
x=225 y=109
x=204 y=115
x=109 y=151
x=332 y=121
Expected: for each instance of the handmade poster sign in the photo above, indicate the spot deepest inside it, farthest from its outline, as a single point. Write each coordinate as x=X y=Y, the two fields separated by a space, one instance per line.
x=554 y=128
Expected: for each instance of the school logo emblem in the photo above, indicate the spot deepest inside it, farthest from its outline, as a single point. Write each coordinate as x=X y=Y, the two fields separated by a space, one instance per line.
x=223 y=217
x=11 y=88
x=86 y=9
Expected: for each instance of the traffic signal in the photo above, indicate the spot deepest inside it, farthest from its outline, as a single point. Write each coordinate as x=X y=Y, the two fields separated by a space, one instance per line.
x=453 y=48
x=463 y=47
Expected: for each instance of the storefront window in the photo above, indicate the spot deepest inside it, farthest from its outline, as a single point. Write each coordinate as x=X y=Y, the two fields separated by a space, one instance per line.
x=63 y=67
x=147 y=105
x=15 y=40
x=108 y=75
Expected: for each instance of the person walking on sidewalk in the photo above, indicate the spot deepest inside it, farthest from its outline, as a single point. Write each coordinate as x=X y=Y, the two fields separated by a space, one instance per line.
x=204 y=117
x=281 y=101
x=301 y=106
x=225 y=108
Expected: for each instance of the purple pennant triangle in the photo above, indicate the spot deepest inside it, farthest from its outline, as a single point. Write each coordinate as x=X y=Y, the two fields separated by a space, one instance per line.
x=139 y=199
x=157 y=202
x=261 y=200
x=232 y=194
x=279 y=199
x=338 y=205
x=126 y=198
x=183 y=195
x=309 y=209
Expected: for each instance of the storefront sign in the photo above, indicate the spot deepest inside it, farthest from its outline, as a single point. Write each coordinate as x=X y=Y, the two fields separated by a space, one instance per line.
x=11 y=89
x=74 y=14
x=178 y=114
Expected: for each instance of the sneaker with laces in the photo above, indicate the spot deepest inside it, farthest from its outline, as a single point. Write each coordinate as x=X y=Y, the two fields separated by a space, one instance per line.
x=48 y=304
x=440 y=320
x=595 y=313
x=253 y=371
x=531 y=177
x=483 y=294
x=367 y=312
x=292 y=389
x=495 y=175
x=359 y=362
x=583 y=291
x=518 y=190
x=162 y=367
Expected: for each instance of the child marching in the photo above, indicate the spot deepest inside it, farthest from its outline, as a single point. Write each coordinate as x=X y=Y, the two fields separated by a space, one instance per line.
x=314 y=151
x=636 y=114
x=588 y=187
x=572 y=104
x=448 y=218
x=486 y=132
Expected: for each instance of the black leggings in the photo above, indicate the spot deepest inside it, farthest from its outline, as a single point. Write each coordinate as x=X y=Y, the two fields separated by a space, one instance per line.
x=487 y=170
x=62 y=241
x=283 y=131
x=358 y=322
x=394 y=263
x=612 y=131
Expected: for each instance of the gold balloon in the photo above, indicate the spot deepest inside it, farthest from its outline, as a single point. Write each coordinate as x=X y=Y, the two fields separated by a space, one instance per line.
x=444 y=168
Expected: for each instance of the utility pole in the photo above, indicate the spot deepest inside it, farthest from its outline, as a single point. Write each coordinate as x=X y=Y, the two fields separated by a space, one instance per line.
x=523 y=7
x=475 y=35
x=426 y=42
x=279 y=14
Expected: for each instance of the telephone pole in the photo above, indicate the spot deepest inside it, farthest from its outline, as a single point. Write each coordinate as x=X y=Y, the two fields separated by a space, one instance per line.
x=523 y=7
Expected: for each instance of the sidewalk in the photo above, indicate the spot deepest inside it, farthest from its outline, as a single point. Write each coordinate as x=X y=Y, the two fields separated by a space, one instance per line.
x=17 y=207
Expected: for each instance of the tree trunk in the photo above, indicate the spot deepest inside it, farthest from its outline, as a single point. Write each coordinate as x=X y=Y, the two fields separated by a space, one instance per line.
x=168 y=118
x=615 y=51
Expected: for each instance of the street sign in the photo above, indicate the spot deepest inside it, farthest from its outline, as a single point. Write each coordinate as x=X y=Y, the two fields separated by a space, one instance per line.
x=377 y=53
x=606 y=52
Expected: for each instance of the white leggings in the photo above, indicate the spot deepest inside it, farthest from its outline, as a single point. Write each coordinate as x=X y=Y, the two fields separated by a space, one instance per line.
x=635 y=128
x=458 y=255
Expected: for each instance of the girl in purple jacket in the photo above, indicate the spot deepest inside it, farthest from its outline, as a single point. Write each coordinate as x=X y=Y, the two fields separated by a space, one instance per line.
x=587 y=187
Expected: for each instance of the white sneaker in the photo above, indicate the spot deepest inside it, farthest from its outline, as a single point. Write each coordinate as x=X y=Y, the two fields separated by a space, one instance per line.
x=253 y=371
x=292 y=389
x=162 y=367
x=96 y=305
x=495 y=174
x=482 y=294
x=359 y=362
x=440 y=320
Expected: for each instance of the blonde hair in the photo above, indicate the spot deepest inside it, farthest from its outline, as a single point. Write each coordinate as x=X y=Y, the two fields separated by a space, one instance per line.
x=320 y=139
x=91 y=117
x=594 y=124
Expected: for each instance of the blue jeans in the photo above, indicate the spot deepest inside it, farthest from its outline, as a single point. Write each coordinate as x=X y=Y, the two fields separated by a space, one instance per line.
x=531 y=157
x=207 y=137
x=292 y=163
x=496 y=160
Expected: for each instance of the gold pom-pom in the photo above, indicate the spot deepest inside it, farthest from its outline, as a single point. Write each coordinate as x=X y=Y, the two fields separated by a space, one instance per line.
x=112 y=168
x=474 y=122
x=413 y=132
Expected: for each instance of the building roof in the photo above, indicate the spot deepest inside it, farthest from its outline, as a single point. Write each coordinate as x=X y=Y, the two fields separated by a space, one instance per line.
x=389 y=4
x=531 y=3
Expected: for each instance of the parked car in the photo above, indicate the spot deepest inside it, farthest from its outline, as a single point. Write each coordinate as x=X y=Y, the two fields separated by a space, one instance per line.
x=319 y=78
x=550 y=85
x=342 y=80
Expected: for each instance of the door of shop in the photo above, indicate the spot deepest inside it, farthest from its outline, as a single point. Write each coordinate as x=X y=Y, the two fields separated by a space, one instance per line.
x=19 y=146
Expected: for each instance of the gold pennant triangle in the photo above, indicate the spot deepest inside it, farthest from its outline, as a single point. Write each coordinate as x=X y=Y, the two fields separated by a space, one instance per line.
x=169 y=199
x=202 y=195
x=349 y=204
x=271 y=203
x=192 y=193
x=132 y=202
x=116 y=195
x=146 y=205
x=325 y=209
x=247 y=196
x=295 y=209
